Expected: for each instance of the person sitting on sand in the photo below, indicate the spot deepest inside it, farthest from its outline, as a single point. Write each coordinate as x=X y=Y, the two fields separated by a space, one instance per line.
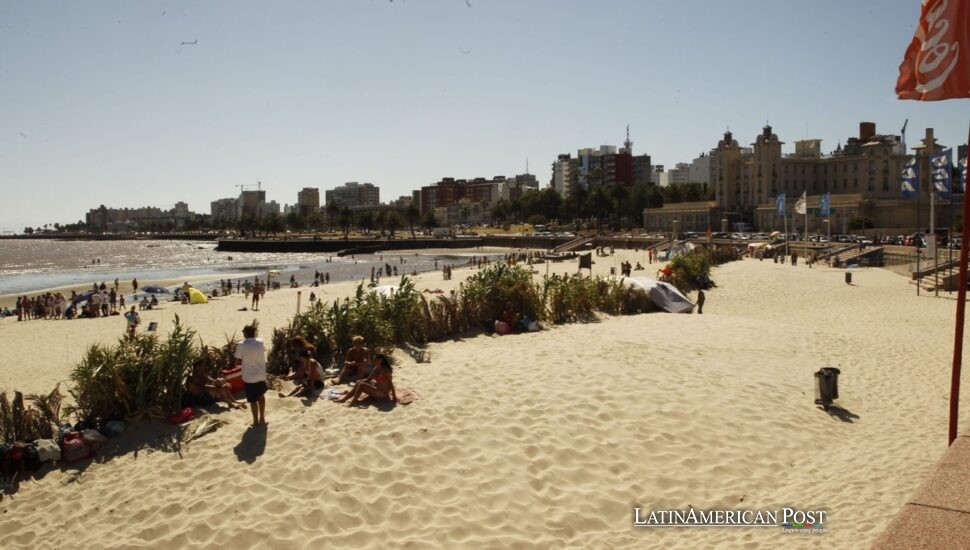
x=204 y=389
x=638 y=267
x=357 y=363
x=379 y=385
x=312 y=383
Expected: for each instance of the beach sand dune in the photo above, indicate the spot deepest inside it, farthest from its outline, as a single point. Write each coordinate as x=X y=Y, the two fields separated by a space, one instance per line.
x=547 y=439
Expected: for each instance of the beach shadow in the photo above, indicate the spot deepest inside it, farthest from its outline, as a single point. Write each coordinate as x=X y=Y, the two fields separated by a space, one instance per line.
x=840 y=413
x=382 y=405
x=252 y=445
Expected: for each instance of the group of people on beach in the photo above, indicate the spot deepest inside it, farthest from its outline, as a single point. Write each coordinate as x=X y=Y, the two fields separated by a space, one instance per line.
x=370 y=375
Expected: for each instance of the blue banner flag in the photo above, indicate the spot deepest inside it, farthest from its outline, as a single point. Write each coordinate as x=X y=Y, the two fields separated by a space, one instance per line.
x=941 y=166
x=824 y=204
x=780 y=204
x=910 y=179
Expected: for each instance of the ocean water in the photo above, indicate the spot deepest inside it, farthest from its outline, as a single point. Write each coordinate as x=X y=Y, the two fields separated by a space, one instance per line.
x=30 y=265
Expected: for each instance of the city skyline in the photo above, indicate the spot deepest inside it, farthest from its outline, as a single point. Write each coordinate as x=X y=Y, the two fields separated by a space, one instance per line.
x=113 y=104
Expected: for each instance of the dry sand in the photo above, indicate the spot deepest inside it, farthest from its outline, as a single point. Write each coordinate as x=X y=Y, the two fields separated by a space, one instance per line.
x=537 y=440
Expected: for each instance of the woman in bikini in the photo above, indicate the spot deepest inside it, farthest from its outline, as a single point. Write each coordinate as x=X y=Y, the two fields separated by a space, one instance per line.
x=204 y=389
x=312 y=383
x=379 y=385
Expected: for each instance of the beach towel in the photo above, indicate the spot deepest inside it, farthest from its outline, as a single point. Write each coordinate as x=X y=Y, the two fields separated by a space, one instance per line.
x=334 y=394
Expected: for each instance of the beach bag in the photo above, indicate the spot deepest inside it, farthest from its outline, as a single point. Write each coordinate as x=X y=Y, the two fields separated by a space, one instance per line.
x=93 y=438
x=533 y=326
x=182 y=417
x=113 y=428
x=234 y=377
x=47 y=449
x=32 y=460
x=501 y=327
x=74 y=449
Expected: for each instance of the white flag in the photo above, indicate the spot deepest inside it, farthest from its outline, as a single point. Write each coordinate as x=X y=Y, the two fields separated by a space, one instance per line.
x=800 y=206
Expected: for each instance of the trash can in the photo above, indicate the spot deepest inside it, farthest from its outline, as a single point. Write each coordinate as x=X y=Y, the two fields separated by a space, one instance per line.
x=848 y=277
x=612 y=271
x=826 y=386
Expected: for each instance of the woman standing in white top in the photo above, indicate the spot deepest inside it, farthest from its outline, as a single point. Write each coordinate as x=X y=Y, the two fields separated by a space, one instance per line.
x=251 y=354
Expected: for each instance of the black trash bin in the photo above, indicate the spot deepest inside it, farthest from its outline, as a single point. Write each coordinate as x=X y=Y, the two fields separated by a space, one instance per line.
x=848 y=277
x=826 y=386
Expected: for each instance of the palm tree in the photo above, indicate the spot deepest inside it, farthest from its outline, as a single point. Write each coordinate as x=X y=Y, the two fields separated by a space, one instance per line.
x=412 y=214
x=333 y=210
x=344 y=218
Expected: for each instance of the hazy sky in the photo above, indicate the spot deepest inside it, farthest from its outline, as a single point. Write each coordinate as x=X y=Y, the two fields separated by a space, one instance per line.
x=100 y=102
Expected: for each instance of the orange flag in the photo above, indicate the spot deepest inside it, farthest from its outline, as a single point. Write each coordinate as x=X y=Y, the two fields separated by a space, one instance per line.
x=937 y=62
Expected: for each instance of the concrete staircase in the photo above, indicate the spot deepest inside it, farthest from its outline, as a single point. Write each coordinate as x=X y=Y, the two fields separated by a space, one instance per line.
x=870 y=257
x=574 y=244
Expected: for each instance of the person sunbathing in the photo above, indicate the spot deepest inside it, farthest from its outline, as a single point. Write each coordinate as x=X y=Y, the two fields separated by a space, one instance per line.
x=357 y=363
x=204 y=389
x=312 y=383
x=379 y=385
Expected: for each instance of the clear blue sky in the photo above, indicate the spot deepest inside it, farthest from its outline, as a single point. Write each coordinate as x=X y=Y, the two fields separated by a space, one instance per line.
x=100 y=102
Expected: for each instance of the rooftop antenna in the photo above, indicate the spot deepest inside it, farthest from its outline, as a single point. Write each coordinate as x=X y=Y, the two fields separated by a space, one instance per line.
x=903 y=136
x=259 y=185
x=628 y=144
x=527 y=165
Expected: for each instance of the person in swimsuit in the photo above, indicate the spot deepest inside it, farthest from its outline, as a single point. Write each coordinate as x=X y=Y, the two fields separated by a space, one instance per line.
x=357 y=363
x=312 y=384
x=204 y=389
x=379 y=385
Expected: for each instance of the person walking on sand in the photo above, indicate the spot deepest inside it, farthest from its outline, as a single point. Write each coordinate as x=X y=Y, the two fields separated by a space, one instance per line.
x=134 y=285
x=251 y=355
x=133 y=321
x=257 y=289
x=700 y=301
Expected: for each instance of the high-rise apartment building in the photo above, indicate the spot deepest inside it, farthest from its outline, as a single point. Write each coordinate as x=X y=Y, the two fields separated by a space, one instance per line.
x=353 y=194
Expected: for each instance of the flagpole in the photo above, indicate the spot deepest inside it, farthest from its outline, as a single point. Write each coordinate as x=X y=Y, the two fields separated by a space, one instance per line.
x=961 y=310
x=787 y=236
x=936 y=255
x=916 y=235
x=805 y=194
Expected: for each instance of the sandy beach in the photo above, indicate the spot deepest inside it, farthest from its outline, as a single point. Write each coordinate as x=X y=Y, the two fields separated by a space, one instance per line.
x=546 y=439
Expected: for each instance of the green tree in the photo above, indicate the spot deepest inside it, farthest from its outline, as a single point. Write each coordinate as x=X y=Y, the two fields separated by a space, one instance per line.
x=365 y=221
x=295 y=221
x=273 y=223
x=429 y=221
x=333 y=212
x=393 y=221
x=345 y=218
x=500 y=211
x=412 y=214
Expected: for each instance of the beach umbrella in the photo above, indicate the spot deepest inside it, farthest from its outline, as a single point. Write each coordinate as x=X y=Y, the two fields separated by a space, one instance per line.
x=155 y=289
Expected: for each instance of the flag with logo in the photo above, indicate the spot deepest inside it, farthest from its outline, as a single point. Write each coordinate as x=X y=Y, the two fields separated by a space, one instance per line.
x=941 y=165
x=910 y=179
x=824 y=204
x=801 y=207
x=780 y=204
x=935 y=65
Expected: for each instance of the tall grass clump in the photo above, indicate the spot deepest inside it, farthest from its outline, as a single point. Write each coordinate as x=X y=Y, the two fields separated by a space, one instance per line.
x=486 y=294
x=134 y=377
x=688 y=268
x=27 y=419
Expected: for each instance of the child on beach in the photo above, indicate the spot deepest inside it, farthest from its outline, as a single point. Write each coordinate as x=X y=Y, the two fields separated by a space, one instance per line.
x=251 y=354
x=133 y=321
